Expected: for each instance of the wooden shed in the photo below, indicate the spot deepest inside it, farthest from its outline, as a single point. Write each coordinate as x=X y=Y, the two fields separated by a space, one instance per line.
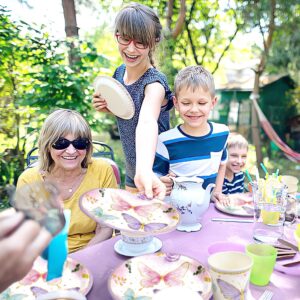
x=234 y=106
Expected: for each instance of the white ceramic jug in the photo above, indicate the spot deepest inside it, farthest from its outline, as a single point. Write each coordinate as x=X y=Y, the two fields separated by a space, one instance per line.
x=191 y=200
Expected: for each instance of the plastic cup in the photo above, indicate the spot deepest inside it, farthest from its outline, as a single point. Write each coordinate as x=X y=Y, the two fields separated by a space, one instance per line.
x=264 y=259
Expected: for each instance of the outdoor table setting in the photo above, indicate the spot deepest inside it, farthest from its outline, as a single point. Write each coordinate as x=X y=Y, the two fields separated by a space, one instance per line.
x=102 y=260
x=192 y=248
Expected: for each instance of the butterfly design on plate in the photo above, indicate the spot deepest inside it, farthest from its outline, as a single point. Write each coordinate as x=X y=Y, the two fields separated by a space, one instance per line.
x=229 y=291
x=172 y=278
x=7 y=295
x=98 y=212
x=32 y=277
x=135 y=224
x=129 y=295
x=37 y=291
x=120 y=204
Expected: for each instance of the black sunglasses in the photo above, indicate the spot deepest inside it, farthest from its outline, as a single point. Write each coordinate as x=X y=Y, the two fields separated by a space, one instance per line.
x=79 y=144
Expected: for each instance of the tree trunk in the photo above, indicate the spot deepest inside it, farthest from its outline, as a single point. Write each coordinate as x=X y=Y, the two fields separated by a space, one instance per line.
x=267 y=42
x=70 y=18
x=254 y=121
x=70 y=27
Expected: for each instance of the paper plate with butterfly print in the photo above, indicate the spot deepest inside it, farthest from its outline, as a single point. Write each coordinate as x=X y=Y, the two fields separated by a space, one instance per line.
x=239 y=205
x=75 y=277
x=143 y=276
x=132 y=213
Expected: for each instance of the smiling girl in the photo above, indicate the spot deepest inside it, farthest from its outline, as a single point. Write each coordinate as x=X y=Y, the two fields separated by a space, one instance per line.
x=137 y=32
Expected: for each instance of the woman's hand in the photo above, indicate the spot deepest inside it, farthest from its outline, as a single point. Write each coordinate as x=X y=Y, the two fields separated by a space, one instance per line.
x=99 y=103
x=21 y=242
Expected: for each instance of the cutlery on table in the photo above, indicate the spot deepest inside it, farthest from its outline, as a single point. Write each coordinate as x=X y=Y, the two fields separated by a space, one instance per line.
x=291 y=263
x=231 y=220
x=284 y=256
x=267 y=295
x=289 y=244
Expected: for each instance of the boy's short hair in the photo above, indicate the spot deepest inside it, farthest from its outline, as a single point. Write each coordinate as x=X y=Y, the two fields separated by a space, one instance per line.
x=236 y=140
x=194 y=77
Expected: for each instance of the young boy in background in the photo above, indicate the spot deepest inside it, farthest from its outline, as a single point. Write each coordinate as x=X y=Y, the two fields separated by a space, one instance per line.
x=197 y=147
x=237 y=148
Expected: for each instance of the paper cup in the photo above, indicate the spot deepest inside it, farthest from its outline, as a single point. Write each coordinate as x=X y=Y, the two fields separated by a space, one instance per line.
x=264 y=259
x=230 y=272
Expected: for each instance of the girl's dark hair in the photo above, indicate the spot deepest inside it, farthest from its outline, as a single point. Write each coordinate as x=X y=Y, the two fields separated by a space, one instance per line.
x=141 y=23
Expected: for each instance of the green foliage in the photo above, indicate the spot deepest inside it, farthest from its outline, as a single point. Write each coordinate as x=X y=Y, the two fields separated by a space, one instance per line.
x=35 y=79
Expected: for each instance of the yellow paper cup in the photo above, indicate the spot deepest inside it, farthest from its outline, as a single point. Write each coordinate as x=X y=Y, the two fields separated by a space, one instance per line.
x=264 y=259
x=230 y=271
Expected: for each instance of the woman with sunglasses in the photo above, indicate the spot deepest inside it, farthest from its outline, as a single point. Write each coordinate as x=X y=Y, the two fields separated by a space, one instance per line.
x=65 y=158
x=137 y=32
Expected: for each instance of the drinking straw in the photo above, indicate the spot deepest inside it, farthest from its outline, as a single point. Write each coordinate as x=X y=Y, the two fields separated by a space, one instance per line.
x=248 y=175
x=264 y=168
x=256 y=174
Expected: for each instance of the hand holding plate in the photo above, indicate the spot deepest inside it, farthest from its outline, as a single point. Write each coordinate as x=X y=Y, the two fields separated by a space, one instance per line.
x=99 y=103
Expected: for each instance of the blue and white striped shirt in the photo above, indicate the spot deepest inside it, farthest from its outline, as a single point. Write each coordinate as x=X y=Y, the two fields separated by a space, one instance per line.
x=234 y=186
x=191 y=156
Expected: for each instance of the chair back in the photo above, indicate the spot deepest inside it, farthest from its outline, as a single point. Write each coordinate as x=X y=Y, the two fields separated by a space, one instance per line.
x=100 y=150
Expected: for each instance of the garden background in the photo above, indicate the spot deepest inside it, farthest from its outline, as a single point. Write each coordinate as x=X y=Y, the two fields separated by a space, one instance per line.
x=42 y=70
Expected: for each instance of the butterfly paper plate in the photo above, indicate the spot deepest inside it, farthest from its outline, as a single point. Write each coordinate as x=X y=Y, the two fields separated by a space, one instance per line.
x=242 y=207
x=141 y=277
x=119 y=101
x=128 y=212
x=75 y=277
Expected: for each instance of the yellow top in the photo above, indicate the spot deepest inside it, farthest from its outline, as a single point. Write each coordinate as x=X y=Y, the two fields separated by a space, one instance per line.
x=82 y=229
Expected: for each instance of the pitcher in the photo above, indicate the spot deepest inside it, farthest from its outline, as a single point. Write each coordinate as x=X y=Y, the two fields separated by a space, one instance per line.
x=191 y=200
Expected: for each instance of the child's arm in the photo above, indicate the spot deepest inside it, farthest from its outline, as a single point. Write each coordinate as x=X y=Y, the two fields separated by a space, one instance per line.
x=146 y=139
x=217 y=192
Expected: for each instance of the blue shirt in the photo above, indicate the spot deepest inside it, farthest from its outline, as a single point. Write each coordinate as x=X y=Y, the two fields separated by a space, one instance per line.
x=234 y=186
x=127 y=127
x=190 y=156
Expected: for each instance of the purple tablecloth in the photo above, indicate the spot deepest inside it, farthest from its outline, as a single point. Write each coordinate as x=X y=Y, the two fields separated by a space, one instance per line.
x=101 y=259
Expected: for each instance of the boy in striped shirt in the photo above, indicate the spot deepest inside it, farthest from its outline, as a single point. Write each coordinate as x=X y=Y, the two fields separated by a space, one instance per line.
x=237 y=148
x=197 y=147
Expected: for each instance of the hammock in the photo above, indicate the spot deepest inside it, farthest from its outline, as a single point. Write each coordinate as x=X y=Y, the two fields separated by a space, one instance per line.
x=267 y=127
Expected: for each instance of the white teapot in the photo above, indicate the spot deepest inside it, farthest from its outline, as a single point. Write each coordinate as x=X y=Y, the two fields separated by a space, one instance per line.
x=191 y=200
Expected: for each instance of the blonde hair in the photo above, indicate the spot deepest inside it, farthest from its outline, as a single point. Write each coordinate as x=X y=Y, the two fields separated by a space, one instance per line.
x=141 y=23
x=194 y=77
x=236 y=140
x=58 y=124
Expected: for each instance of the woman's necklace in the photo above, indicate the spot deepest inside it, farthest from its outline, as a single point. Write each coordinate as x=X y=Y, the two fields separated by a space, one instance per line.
x=64 y=186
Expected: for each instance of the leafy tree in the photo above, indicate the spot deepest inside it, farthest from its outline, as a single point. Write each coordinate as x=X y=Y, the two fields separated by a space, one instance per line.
x=35 y=79
x=272 y=18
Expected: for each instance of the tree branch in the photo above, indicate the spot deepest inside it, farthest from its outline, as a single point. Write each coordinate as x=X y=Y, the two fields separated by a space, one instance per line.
x=170 y=14
x=181 y=20
x=187 y=22
x=226 y=49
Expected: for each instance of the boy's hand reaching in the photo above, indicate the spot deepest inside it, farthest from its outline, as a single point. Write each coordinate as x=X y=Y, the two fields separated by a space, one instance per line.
x=99 y=103
x=168 y=182
x=221 y=198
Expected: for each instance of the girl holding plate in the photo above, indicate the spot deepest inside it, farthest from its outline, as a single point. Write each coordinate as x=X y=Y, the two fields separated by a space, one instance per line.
x=137 y=32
